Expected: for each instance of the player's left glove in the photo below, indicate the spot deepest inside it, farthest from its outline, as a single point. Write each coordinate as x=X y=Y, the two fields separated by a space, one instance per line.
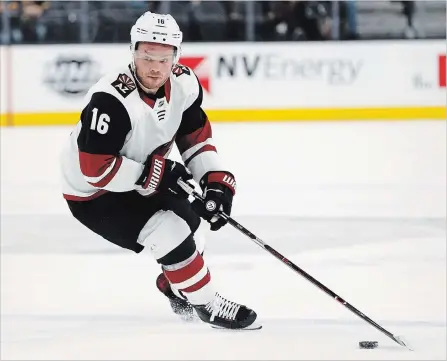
x=161 y=175
x=218 y=188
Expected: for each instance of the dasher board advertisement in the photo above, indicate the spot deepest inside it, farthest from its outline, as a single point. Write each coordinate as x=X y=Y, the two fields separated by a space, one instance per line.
x=244 y=81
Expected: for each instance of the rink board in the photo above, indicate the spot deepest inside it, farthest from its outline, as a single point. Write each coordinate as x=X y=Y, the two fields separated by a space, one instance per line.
x=374 y=80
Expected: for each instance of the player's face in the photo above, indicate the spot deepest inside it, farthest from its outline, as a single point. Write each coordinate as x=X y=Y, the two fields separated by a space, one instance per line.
x=153 y=63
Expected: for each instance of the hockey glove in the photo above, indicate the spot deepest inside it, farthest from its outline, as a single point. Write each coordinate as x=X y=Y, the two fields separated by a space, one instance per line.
x=218 y=190
x=160 y=174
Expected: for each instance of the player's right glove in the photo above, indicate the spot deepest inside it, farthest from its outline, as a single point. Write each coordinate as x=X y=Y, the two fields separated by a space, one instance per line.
x=218 y=188
x=160 y=174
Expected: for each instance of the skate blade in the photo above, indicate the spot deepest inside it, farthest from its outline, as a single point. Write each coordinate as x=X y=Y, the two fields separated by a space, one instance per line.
x=248 y=328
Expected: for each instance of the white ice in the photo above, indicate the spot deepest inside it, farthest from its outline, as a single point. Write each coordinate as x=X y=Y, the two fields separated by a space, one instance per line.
x=67 y=294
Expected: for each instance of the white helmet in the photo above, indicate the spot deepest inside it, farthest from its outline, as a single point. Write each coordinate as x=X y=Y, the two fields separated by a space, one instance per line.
x=157 y=28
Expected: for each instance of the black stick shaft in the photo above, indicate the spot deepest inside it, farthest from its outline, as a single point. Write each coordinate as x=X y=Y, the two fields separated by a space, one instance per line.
x=297 y=269
x=307 y=276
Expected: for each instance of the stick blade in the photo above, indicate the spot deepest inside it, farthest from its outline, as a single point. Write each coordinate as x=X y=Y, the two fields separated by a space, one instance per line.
x=402 y=342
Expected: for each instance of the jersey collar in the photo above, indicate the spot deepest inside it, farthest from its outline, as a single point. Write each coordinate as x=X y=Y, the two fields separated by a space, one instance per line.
x=149 y=98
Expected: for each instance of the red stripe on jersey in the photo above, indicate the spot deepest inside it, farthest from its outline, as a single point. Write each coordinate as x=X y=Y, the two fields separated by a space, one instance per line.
x=147 y=100
x=94 y=165
x=71 y=197
x=168 y=90
x=197 y=286
x=165 y=148
x=151 y=102
x=205 y=148
x=187 y=272
x=198 y=136
x=106 y=180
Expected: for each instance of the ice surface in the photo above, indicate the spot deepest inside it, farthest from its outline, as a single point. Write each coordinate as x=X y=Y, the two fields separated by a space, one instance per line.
x=67 y=294
x=105 y=306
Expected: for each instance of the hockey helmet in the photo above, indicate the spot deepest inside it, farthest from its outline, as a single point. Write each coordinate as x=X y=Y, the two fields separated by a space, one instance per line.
x=157 y=28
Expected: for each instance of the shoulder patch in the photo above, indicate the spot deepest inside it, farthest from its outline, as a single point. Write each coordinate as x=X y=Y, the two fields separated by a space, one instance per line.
x=180 y=69
x=124 y=85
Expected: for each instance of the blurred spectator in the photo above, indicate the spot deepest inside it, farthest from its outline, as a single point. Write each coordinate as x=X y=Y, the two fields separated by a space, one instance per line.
x=408 y=9
x=283 y=20
x=14 y=10
x=212 y=20
x=154 y=6
x=207 y=21
x=236 y=20
x=301 y=20
x=144 y=5
x=314 y=17
x=195 y=33
x=351 y=14
x=34 y=30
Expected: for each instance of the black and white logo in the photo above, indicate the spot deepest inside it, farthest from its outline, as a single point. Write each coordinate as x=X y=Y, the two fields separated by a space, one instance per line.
x=71 y=75
x=124 y=85
x=210 y=206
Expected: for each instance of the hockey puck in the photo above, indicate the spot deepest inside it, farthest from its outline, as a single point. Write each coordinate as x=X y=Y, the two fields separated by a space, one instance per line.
x=368 y=344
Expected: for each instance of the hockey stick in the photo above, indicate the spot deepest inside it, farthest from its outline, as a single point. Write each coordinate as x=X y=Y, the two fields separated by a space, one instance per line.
x=190 y=190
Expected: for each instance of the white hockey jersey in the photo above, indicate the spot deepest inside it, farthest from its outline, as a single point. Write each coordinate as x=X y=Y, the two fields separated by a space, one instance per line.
x=121 y=125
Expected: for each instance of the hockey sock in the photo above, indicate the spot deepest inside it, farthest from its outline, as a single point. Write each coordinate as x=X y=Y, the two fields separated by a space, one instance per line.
x=191 y=278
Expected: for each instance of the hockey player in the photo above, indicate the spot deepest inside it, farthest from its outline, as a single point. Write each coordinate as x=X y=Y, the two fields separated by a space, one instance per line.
x=119 y=183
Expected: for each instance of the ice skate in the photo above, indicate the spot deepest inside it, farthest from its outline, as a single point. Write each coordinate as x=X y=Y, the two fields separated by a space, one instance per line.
x=180 y=306
x=224 y=314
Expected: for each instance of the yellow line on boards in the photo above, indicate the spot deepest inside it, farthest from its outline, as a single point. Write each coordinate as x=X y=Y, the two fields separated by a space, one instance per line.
x=256 y=115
